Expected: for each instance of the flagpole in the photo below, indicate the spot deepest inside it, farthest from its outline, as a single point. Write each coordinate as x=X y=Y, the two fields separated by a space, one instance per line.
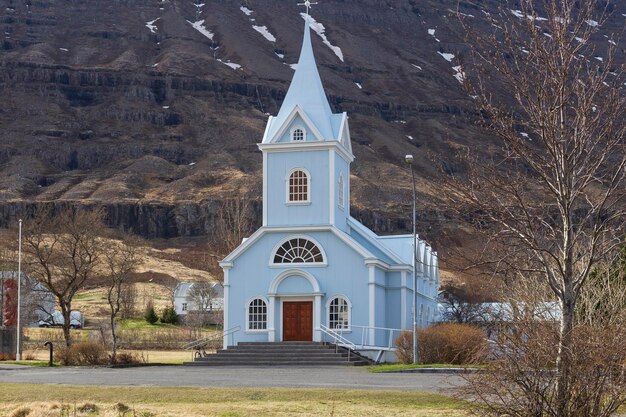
x=19 y=290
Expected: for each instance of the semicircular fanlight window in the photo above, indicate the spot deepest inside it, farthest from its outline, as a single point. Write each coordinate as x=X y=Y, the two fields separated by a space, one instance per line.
x=298 y=250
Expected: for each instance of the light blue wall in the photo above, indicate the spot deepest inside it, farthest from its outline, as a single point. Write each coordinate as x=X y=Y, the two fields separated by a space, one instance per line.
x=342 y=214
x=251 y=275
x=279 y=164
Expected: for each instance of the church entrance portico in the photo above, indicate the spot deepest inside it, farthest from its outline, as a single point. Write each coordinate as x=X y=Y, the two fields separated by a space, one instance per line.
x=295 y=307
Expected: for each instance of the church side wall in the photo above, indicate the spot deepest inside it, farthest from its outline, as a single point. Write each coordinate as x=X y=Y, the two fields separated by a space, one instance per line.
x=394 y=303
x=341 y=214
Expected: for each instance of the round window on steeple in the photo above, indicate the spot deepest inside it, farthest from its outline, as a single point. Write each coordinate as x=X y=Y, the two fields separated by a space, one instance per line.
x=298 y=135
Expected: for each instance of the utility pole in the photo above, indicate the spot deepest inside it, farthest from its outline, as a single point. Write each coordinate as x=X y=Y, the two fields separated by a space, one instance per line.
x=19 y=290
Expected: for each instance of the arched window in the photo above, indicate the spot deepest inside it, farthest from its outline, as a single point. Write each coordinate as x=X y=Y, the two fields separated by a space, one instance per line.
x=298 y=250
x=257 y=315
x=339 y=313
x=341 y=191
x=298 y=186
x=298 y=135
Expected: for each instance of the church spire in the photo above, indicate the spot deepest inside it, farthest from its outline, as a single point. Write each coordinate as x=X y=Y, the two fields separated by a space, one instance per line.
x=307 y=92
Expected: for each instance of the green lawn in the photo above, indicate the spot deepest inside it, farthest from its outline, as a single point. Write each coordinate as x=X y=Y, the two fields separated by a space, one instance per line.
x=36 y=363
x=37 y=400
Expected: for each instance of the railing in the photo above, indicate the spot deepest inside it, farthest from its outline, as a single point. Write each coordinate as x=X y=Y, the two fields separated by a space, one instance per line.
x=369 y=333
x=200 y=345
x=338 y=339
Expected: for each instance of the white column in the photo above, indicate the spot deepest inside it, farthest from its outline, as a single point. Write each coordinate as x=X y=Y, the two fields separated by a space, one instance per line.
x=264 y=188
x=226 y=304
x=317 y=318
x=372 y=304
x=271 y=321
x=403 y=315
x=331 y=186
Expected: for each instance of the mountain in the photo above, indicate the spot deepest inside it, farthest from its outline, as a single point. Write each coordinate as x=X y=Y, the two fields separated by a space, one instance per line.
x=154 y=108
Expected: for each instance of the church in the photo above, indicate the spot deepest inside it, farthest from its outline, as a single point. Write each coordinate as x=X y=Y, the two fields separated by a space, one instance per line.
x=312 y=272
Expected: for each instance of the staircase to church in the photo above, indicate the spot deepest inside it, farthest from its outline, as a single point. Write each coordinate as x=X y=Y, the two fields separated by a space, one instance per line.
x=282 y=354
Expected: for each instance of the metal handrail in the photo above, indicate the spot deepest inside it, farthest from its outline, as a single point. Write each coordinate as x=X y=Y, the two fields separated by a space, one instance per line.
x=198 y=344
x=337 y=337
x=365 y=334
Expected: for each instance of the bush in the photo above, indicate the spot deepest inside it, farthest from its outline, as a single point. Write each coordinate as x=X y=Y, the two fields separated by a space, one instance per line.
x=169 y=316
x=451 y=343
x=150 y=314
x=82 y=353
x=126 y=358
x=88 y=408
x=21 y=412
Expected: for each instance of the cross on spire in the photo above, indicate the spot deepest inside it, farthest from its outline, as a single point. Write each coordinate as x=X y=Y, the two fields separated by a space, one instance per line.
x=307 y=4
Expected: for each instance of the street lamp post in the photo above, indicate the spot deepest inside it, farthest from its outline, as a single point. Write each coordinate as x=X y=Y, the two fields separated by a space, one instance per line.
x=19 y=290
x=409 y=160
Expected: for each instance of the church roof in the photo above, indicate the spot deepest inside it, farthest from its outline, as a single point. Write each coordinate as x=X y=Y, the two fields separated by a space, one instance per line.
x=306 y=93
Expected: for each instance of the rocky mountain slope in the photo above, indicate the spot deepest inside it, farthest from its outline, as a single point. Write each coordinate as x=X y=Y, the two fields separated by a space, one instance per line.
x=154 y=108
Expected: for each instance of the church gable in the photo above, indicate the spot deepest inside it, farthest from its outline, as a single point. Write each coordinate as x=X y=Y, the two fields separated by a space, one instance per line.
x=297 y=130
x=297 y=119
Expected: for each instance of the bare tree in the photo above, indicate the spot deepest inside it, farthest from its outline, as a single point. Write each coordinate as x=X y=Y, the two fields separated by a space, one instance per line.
x=461 y=304
x=128 y=302
x=233 y=223
x=62 y=251
x=551 y=200
x=120 y=259
x=202 y=295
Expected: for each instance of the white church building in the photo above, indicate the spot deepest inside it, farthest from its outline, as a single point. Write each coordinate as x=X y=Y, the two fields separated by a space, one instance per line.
x=312 y=272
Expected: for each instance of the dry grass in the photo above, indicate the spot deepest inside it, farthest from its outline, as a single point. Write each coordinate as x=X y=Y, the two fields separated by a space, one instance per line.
x=45 y=400
x=150 y=356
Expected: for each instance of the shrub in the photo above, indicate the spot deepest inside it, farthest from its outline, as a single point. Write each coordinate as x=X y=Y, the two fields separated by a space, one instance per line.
x=150 y=314
x=122 y=408
x=451 y=343
x=21 y=412
x=169 y=316
x=125 y=358
x=82 y=353
x=88 y=408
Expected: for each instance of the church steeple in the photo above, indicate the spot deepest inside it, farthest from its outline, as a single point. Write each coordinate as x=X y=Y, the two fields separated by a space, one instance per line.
x=306 y=153
x=306 y=94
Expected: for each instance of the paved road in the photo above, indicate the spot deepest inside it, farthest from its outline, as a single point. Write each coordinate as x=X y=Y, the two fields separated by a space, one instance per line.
x=267 y=377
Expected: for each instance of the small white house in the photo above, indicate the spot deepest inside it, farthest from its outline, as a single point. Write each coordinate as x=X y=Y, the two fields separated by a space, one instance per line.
x=198 y=296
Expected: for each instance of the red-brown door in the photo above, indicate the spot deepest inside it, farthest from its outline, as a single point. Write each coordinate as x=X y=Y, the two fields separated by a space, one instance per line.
x=298 y=321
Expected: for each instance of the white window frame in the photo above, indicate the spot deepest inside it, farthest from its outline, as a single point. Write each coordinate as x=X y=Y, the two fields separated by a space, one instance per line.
x=342 y=194
x=297 y=264
x=287 y=188
x=347 y=329
x=184 y=307
x=247 y=312
x=292 y=135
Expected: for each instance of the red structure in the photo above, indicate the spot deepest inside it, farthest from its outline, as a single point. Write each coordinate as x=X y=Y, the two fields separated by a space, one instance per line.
x=10 y=303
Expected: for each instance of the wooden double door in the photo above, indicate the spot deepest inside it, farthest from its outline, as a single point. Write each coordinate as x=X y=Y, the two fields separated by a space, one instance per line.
x=297 y=321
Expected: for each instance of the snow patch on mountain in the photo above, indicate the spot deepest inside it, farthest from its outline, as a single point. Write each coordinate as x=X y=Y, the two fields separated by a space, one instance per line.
x=459 y=74
x=151 y=25
x=199 y=26
x=446 y=56
x=230 y=64
x=246 y=11
x=266 y=33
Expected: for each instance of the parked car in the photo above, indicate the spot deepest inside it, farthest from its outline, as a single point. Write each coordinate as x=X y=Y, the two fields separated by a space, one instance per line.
x=77 y=321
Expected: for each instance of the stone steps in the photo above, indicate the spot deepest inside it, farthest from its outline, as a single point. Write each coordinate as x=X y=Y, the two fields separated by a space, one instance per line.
x=281 y=354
